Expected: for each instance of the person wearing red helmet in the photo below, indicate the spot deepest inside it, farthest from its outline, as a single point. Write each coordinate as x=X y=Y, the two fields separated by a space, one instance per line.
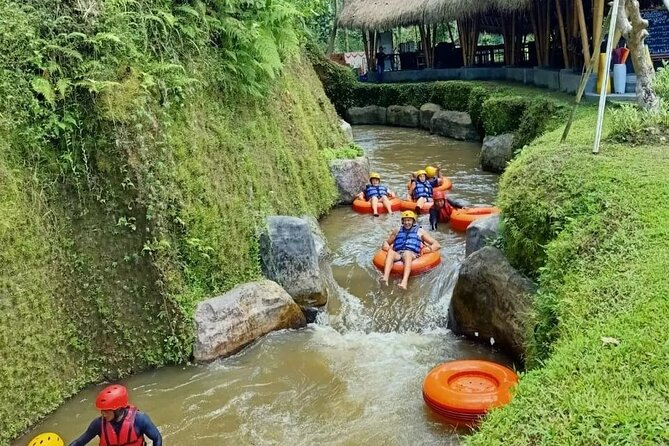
x=440 y=212
x=120 y=423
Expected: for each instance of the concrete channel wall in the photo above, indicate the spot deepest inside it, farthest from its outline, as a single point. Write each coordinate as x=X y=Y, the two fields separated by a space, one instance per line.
x=559 y=80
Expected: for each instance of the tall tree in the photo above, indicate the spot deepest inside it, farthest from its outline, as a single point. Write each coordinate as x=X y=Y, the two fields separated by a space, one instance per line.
x=333 y=29
x=634 y=29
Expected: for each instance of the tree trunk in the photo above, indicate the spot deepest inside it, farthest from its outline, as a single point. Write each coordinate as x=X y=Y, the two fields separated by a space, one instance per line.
x=333 y=30
x=635 y=29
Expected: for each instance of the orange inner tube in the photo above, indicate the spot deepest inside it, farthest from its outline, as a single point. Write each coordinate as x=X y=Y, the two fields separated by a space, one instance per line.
x=461 y=218
x=466 y=390
x=445 y=185
x=425 y=262
x=410 y=205
x=365 y=207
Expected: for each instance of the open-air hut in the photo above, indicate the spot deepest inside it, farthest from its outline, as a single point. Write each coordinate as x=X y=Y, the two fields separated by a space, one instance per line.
x=472 y=17
x=555 y=33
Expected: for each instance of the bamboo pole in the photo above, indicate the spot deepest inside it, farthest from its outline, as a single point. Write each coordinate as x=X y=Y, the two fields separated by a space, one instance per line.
x=602 y=95
x=584 y=31
x=597 y=22
x=563 y=37
x=587 y=70
x=514 y=39
x=547 y=36
x=535 y=29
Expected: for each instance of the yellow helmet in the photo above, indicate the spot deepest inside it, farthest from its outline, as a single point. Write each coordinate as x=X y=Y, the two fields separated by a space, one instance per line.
x=48 y=439
x=409 y=214
x=375 y=175
x=420 y=172
x=431 y=171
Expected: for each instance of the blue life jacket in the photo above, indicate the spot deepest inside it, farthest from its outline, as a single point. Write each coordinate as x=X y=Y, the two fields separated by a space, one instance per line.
x=375 y=191
x=407 y=239
x=434 y=181
x=422 y=190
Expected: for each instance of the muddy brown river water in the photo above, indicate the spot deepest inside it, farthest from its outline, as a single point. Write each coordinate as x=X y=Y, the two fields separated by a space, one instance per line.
x=352 y=379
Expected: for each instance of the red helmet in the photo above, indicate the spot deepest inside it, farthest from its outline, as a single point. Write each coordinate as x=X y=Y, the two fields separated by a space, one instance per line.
x=438 y=195
x=112 y=397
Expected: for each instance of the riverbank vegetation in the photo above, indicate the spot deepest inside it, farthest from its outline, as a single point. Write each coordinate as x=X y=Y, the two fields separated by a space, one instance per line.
x=592 y=230
x=142 y=142
x=495 y=108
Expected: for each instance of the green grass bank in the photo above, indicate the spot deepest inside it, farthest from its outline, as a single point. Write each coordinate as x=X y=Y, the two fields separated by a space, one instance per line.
x=592 y=229
x=141 y=145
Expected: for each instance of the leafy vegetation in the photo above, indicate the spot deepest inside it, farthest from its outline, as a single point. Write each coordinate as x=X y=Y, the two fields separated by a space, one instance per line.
x=591 y=229
x=635 y=126
x=494 y=108
x=142 y=142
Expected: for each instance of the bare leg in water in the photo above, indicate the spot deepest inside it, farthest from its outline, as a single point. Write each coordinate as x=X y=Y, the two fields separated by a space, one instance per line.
x=407 y=258
x=391 y=258
x=375 y=205
x=386 y=204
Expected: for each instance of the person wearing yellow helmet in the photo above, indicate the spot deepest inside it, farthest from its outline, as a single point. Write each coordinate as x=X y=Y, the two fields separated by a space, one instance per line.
x=421 y=189
x=434 y=175
x=405 y=244
x=375 y=192
x=48 y=439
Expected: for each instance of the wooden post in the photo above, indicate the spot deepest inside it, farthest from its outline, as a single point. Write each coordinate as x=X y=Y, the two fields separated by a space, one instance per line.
x=605 y=86
x=547 y=31
x=584 y=31
x=514 y=39
x=597 y=22
x=563 y=37
x=587 y=70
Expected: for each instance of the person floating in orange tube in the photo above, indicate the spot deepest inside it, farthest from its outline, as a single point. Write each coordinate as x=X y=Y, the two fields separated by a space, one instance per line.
x=405 y=244
x=375 y=192
x=420 y=190
x=120 y=423
x=434 y=175
x=440 y=212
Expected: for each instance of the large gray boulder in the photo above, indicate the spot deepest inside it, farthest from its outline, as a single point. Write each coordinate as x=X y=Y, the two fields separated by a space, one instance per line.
x=426 y=112
x=491 y=300
x=322 y=250
x=225 y=324
x=496 y=152
x=346 y=130
x=288 y=256
x=402 y=116
x=371 y=114
x=453 y=124
x=481 y=232
x=351 y=176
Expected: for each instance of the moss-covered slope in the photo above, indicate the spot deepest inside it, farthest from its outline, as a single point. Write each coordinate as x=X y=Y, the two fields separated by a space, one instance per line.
x=141 y=145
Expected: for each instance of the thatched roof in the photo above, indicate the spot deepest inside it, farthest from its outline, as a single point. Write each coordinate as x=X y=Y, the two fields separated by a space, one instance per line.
x=387 y=14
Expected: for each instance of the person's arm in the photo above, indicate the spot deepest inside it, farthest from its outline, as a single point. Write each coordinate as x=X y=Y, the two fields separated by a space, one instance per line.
x=93 y=431
x=145 y=426
x=427 y=239
x=389 y=241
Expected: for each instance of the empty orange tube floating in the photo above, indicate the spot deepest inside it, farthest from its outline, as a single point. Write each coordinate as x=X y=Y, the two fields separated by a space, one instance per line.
x=461 y=218
x=464 y=391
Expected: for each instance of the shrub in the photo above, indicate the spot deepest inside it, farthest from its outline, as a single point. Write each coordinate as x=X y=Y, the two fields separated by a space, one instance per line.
x=540 y=115
x=477 y=97
x=503 y=114
x=452 y=95
x=338 y=81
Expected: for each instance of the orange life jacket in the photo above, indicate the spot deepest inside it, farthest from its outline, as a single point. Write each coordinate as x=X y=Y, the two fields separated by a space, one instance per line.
x=127 y=436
